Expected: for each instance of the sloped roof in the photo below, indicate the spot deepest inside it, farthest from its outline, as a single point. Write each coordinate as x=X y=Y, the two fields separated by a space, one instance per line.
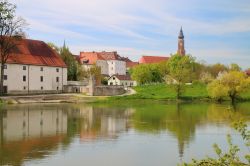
x=34 y=52
x=152 y=59
x=131 y=64
x=92 y=57
x=121 y=77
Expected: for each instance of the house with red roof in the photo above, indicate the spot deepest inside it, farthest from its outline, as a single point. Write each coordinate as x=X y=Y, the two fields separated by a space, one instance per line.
x=122 y=80
x=152 y=59
x=33 y=67
x=110 y=62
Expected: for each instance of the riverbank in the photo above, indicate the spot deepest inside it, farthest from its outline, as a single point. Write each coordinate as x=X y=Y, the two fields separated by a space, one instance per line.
x=157 y=92
x=51 y=98
x=194 y=92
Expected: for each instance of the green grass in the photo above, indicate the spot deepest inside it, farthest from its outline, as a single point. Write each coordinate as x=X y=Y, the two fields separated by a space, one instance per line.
x=163 y=92
x=196 y=91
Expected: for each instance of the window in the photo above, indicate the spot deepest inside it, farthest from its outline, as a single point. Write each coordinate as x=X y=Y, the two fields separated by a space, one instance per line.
x=113 y=78
x=57 y=69
x=126 y=83
x=5 y=67
x=24 y=78
x=5 y=77
x=24 y=67
x=57 y=88
x=57 y=79
x=41 y=87
x=41 y=69
x=24 y=88
x=41 y=78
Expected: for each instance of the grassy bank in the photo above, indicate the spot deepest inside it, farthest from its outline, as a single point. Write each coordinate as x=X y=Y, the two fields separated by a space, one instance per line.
x=166 y=92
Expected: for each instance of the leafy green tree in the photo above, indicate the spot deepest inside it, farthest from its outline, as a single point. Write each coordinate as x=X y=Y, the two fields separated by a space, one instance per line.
x=180 y=71
x=234 y=82
x=95 y=71
x=230 y=158
x=11 y=31
x=217 y=91
x=216 y=69
x=234 y=67
x=75 y=71
x=70 y=61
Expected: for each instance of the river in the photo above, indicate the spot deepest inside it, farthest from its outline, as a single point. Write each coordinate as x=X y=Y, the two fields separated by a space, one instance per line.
x=141 y=133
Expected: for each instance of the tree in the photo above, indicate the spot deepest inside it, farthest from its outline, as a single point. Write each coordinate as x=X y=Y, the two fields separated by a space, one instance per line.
x=75 y=71
x=234 y=82
x=216 y=69
x=95 y=71
x=149 y=73
x=180 y=71
x=11 y=32
x=234 y=67
x=70 y=61
x=217 y=91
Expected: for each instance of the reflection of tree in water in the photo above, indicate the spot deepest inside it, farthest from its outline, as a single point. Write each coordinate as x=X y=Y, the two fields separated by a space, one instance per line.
x=101 y=122
x=182 y=119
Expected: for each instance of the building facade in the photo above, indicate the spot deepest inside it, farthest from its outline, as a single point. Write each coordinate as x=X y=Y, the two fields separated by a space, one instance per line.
x=121 y=80
x=110 y=62
x=34 y=68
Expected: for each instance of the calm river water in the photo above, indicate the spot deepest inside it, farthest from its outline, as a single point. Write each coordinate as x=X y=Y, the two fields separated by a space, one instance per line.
x=135 y=134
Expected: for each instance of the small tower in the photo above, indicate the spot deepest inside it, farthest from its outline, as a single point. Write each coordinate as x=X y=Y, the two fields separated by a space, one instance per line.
x=181 y=47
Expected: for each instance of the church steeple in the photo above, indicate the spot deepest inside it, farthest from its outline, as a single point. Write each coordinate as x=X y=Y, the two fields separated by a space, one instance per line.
x=181 y=46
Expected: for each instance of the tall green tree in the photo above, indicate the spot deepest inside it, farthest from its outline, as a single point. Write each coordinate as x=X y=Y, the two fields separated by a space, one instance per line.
x=11 y=31
x=180 y=71
x=75 y=70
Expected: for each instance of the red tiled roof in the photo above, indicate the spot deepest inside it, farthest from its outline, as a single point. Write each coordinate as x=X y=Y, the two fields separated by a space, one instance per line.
x=34 y=52
x=152 y=59
x=131 y=64
x=92 y=57
x=122 y=77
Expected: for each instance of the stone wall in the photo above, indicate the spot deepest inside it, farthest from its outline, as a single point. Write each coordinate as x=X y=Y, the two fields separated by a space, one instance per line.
x=108 y=90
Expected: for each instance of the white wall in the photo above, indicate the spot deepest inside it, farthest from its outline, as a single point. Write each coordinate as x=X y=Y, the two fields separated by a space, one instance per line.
x=33 y=73
x=33 y=123
x=104 y=66
x=117 y=67
x=125 y=83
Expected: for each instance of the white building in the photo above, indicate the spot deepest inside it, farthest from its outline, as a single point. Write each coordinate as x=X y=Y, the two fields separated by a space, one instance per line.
x=123 y=80
x=34 y=68
x=110 y=62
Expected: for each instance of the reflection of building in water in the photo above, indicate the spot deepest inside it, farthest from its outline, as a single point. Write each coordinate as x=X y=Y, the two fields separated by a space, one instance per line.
x=28 y=133
x=33 y=123
x=103 y=122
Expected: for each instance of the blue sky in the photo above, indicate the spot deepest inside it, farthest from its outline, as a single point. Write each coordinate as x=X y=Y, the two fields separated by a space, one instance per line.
x=215 y=30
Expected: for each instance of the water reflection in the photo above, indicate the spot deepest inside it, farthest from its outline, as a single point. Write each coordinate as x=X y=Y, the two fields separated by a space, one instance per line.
x=31 y=132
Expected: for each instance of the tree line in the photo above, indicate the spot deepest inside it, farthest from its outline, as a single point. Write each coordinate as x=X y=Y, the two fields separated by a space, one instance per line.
x=222 y=81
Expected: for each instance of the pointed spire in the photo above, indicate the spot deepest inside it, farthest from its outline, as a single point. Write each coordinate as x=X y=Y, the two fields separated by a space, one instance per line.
x=181 y=36
x=64 y=44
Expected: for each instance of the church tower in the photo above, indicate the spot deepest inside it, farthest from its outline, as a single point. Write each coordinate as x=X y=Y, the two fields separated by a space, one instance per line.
x=181 y=47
